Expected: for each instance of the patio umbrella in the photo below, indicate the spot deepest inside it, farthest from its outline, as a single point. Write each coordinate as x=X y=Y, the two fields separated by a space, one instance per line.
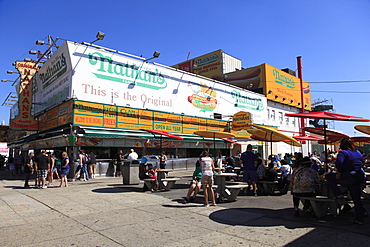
x=360 y=140
x=363 y=128
x=162 y=133
x=270 y=134
x=324 y=115
x=214 y=135
x=231 y=141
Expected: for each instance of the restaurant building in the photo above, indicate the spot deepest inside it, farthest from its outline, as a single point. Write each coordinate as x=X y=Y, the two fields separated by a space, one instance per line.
x=90 y=97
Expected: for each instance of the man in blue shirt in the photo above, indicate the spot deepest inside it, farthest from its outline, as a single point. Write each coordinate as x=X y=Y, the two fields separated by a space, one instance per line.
x=249 y=160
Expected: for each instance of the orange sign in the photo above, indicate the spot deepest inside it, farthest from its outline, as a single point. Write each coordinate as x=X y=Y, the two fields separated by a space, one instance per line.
x=241 y=120
x=24 y=120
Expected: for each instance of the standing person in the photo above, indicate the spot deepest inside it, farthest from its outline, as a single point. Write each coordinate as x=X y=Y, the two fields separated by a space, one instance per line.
x=43 y=165
x=207 y=177
x=132 y=155
x=120 y=158
x=28 y=169
x=350 y=173
x=92 y=165
x=81 y=167
x=52 y=164
x=163 y=160
x=18 y=163
x=249 y=160
x=64 y=170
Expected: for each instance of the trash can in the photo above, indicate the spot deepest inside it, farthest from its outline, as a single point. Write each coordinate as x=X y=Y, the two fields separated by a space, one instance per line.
x=131 y=172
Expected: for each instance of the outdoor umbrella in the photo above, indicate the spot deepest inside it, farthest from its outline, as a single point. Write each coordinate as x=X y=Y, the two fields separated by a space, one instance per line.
x=326 y=116
x=270 y=134
x=360 y=140
x=363 y=128
x=162 y=133
x=214 y=135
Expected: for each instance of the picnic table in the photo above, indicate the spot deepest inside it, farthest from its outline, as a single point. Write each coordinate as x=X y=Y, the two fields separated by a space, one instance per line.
x=230 y=192
x=164 y=182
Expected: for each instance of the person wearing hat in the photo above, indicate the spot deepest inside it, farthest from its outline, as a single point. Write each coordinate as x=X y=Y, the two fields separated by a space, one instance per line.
x=132 y=155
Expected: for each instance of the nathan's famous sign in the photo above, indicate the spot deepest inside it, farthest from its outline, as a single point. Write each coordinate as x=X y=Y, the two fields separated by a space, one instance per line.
x=24 y=120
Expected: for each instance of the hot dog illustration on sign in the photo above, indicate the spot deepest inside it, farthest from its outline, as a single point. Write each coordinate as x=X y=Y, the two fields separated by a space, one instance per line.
x=203 y=98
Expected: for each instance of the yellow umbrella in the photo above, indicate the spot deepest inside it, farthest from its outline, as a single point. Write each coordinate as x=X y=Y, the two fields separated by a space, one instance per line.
x=214 y=135
x=363 y=128
x=270 y=134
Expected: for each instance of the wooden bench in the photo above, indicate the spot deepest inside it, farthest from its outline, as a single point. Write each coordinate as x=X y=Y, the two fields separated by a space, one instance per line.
x=168 y=183
x=234 y=191
x=322 y=205
x=269 y=187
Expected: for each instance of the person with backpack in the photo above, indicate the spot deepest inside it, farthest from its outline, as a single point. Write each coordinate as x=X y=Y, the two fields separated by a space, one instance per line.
x=82 y=166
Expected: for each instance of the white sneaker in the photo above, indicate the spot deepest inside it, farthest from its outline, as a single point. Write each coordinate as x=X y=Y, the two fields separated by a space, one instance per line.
x=44 y=187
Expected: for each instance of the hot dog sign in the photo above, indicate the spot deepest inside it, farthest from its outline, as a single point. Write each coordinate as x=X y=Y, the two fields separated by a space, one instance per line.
x=203 y=98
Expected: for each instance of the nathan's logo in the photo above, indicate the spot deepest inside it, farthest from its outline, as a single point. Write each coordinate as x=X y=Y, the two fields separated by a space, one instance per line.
x=57 y=69
x=125 y=73
x=206 y=60
x=247 y=102
x=283 y=79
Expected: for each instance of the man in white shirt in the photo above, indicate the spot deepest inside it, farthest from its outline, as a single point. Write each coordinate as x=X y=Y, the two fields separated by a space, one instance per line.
x=133 y=155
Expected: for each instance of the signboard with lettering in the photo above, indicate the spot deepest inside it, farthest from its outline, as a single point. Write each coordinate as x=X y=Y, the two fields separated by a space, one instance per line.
x=241 y=121
x=24 y=120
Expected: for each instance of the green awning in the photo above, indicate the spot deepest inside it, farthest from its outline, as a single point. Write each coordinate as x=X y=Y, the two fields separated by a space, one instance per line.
x=101 y=133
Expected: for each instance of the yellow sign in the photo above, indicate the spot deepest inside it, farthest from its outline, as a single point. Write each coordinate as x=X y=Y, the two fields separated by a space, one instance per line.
x=24 y=120
x=241 y=120
x=276 y=84
x=208 y=65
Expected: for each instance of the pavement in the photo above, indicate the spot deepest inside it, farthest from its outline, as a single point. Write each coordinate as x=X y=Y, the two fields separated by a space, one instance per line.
x=105 y=212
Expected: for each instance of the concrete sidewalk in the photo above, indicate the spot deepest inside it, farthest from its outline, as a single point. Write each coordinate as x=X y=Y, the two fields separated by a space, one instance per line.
x=104 y=212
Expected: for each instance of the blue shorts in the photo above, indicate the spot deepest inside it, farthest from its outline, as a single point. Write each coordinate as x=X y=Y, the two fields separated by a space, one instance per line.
x=249 y=176
x=64 y=171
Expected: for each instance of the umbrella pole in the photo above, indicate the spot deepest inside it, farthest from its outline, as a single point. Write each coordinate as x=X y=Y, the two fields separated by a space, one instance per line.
x=271 y=144
x=214 y=147
x=325 y=146
x=160 y=145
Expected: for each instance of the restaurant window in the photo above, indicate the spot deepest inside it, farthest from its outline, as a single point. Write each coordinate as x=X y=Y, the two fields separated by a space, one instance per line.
x=293 y=122
x=280 y=117
x=273 y=115
x=268 y=114
x=286 y=120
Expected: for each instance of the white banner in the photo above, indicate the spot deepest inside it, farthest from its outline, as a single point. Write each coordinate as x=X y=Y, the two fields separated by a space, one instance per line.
x=104 y=77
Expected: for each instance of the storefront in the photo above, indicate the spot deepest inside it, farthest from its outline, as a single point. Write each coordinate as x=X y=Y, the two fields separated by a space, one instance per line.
x=99 y=100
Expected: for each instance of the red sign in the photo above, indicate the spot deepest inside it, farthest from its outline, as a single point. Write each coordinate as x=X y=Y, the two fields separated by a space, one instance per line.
x=24 y=119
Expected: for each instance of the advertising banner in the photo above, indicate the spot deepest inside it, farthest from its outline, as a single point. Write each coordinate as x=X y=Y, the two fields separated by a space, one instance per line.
x=24 y=120
x=114 y=87
x=276 y=84
x=208 y=65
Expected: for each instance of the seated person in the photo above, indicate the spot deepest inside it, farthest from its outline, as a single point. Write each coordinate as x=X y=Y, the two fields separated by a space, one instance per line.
x=286 y=171
x=195 y=184
x=271 y=174
x=151 y=172
x=260 y=169
x=303 y=184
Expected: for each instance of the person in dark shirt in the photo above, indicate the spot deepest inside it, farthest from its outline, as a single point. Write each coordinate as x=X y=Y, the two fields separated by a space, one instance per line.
x=43 y=165
x=271 y=174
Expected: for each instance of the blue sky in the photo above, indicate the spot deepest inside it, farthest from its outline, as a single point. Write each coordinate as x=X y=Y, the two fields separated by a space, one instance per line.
x=332 y=37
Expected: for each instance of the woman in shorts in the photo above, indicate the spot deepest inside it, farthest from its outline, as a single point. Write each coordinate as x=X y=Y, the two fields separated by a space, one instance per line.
x=64 y=170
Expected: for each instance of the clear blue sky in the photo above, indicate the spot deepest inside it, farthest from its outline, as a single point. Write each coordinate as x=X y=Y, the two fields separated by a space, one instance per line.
x=332 y=36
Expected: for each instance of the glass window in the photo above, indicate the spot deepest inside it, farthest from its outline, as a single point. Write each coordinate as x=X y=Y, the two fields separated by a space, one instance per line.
x=273 y=115
x=280 y=117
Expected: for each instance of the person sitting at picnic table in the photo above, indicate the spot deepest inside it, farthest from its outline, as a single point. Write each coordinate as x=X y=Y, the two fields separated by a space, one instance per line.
x=195 y=183
x=303 y=183
x=151 y=172
x=260 y=168
x=350 y=173
x=271 y=173
x=286 y=171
